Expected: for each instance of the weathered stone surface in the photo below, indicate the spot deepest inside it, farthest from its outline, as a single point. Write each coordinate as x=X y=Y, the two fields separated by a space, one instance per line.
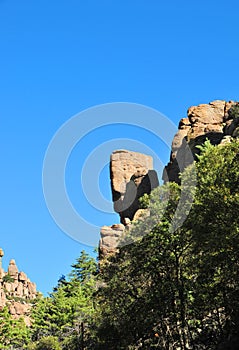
x=131 y=175
x=12 y=269
x=19 y=290
x=212 y=113
x=32 y=289
x=22 y=288
x=110 y=236
x=211 y=121
x=228 y=106
x=3 y=298
x=19 y=308
x=7 y=286
x=22 y=277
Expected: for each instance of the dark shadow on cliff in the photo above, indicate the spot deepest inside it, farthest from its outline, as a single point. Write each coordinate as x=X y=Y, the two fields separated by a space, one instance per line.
x=176 y=165
x=214 y=137
x=130 y=203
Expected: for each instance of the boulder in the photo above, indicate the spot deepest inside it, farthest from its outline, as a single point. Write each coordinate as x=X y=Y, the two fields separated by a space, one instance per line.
x=17 y=308
x=211 y=121
x=32 y=289
x=212 y=113
x=22 y=277
x=131 y=175
x=110 y=236
x=12 y=269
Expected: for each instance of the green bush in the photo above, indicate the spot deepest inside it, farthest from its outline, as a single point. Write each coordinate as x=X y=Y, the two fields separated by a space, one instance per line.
x=7 y=278
x=48 y=343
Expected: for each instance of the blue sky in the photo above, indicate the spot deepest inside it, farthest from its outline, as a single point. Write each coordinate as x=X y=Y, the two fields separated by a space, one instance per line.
x=59 y=58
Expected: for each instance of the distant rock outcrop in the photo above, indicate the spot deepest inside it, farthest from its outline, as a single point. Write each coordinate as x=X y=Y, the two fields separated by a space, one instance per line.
x=16 y=291
x=132 y=176
x=212 y=121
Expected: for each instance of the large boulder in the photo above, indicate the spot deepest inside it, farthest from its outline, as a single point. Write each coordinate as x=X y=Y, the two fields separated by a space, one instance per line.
x=132 y=176
x=110 y=236
x=12 y=269
x=211 y=121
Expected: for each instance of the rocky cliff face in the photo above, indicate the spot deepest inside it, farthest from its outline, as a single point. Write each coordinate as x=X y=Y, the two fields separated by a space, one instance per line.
x=16 y=291
x=132 y=173
x=213 y=121
x=132 y=176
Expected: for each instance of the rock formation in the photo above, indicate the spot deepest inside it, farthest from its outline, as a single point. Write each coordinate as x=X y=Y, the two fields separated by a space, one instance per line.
x=16 y=291
x=132 y=173
x=213 y=121
x=132 y=176
x=109 y=239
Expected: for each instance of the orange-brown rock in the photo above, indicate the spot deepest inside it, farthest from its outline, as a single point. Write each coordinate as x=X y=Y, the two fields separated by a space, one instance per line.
x=212 y=113
x=20 y=288
x=12 y=269
x=131 y=175
x=110 y=236
x=211 y=121
x=22 y=277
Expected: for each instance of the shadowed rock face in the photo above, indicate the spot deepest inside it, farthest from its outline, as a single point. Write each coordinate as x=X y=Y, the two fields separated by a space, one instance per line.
x=211 y=121
x=132 y=176
x=132 y=173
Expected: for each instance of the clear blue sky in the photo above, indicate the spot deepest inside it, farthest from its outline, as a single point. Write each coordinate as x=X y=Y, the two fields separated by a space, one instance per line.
x=61 y=57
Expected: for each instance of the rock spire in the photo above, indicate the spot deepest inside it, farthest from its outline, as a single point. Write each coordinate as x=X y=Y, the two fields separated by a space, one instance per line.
x=132 y=176
x=16 y=291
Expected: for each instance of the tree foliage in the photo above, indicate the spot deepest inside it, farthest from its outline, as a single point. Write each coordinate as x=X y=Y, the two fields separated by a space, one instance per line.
x=13 y=332
x=179 y=289
x=174 y=284
x=68 y=311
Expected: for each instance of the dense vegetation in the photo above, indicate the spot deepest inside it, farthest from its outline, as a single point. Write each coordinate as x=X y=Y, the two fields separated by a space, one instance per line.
x=169 y=289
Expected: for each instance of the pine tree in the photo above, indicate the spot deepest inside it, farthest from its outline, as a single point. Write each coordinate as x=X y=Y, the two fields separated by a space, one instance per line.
x=13 y=332
x=68 y=310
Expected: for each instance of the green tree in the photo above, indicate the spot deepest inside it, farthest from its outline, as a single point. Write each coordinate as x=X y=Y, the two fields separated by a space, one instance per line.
x=7 y=278
x=13 y=332
x=47 y=343
x=69 y=309
x=84 y=269
x=215 y=251
x=144 y=284
x=178 y=288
